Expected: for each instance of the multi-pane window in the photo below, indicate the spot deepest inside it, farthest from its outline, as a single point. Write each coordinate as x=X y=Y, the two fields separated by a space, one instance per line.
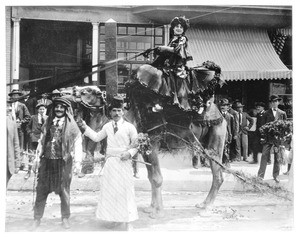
x=132 y=40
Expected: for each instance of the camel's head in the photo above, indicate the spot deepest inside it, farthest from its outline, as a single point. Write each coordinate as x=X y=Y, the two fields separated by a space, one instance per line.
x=91 y=96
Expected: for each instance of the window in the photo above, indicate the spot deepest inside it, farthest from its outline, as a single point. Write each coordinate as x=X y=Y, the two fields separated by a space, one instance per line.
x=132 y=40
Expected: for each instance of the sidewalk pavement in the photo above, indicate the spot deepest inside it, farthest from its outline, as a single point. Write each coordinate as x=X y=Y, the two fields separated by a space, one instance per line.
x=178 y=174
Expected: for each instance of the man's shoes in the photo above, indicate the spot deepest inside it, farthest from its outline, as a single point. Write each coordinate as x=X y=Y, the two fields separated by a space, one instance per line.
x=112 y=225
x=276 y=180
x=286 y=173
x=65 y=223
x=27 y=176
x=128 y=227
x=269 y=162
x=36 y=223
x=252 y=162
x=136 y=176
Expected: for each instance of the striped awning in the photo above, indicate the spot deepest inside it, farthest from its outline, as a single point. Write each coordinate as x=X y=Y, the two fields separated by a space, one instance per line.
x=242 y=54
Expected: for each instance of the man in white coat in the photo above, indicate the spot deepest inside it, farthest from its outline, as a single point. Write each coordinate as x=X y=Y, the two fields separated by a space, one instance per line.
x=117 y=198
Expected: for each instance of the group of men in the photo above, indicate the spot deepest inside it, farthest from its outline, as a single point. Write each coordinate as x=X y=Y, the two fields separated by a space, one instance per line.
x=29 y=114
x=239 y=124
x=59 y=152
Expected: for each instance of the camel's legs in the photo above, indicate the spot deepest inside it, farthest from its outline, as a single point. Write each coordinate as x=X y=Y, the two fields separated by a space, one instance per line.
x=216 y=142
x=156 y=180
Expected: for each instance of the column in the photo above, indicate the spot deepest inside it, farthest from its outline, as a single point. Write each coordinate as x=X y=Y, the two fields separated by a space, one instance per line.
x=111 y=73
x=16 y=52
x=95 y=52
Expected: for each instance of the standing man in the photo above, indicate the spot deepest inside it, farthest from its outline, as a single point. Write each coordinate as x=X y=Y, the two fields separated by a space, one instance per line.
x=31 y=101
x=224 y=105
x=257 y=147
x=235 y=130
x=21 y=116
x=34 y=131
x=59 y=147
x=13 y=149
x=245 y=124
x=117 y=199
x=272 y=114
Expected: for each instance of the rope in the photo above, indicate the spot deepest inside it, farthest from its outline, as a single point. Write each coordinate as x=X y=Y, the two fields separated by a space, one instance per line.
x=258 y=186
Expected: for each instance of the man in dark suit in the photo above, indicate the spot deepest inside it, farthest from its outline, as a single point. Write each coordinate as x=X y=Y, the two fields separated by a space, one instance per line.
x=235 y=130
x=272 y=114
x=224 y=105
x=34 y=130
x=31 y=101
x=20 y=114
x=257 y=147
x=245 y=122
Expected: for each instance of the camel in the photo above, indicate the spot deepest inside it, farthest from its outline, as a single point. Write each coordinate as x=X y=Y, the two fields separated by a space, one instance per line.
x=88 y=103
x=167 y=123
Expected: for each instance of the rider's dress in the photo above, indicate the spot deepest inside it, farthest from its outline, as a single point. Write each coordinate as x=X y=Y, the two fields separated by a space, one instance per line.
x=175 y=73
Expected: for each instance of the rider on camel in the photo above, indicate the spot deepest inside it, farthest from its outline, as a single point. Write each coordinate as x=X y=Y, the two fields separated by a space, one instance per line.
x=172 y=60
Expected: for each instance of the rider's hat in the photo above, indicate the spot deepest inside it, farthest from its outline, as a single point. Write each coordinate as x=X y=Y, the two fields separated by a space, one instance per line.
x=185 y=23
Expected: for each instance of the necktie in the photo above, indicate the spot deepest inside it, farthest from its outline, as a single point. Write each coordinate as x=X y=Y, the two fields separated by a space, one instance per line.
x=57 y=123
x=42 y=121
x=115 y=127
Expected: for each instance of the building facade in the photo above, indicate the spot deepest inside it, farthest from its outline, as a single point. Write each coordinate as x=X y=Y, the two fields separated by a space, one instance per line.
x=66 y=46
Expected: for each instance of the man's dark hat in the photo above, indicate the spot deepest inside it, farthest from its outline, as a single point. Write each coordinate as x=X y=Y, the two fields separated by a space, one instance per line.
x=15 y=92
x=262 y=104
x=238 y=104
x=63 y=101
x=224 y=102
x=274 y=98
x=117 y=102
x=40 y=104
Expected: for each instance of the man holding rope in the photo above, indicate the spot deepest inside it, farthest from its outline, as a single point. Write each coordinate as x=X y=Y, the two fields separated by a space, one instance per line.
x=117 y=198
x=59 y=147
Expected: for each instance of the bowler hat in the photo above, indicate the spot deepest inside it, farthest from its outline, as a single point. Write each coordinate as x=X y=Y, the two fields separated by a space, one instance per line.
x=63 y=101
x=238 y=104
x=262 y=104
x=117 y=102
x=15 y=92
x=274 y=98
x=224 y=102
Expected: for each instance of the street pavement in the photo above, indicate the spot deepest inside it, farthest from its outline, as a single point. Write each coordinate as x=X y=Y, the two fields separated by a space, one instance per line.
x=236 y=208
x=178 y=175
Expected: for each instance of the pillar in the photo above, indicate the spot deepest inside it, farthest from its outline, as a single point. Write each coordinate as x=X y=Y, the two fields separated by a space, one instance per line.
x=95 y=52
x=16 y=52
x=111 y=73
